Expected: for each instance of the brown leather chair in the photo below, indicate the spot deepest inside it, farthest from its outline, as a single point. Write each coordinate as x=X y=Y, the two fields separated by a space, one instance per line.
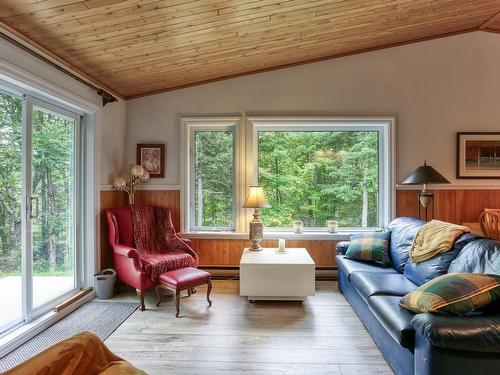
x=489 y=220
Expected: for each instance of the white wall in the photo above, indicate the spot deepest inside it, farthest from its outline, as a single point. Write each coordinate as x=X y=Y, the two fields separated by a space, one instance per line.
x=112 y=141
x=112 y=117
x=435 y=88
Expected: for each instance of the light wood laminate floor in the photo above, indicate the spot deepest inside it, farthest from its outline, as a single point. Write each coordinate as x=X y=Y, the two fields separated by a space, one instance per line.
x=322 y=335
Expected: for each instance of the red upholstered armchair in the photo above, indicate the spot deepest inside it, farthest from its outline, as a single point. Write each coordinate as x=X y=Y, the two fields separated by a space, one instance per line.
x=132 y=268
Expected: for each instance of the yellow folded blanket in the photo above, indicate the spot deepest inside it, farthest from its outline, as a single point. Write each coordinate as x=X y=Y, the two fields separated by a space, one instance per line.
x=434 y=238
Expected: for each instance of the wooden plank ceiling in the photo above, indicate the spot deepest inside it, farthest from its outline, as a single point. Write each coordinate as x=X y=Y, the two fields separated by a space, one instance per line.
x=139 y=47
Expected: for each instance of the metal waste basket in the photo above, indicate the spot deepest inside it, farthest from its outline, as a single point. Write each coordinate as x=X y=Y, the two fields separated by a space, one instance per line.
x=104 y=283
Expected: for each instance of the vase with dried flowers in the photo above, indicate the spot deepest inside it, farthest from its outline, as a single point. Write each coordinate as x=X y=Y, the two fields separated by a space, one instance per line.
x=136 y=175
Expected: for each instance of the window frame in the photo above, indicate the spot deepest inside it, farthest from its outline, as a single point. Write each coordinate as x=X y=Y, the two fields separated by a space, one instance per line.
x=189 y=125
x=246 y=168
x=385 y=126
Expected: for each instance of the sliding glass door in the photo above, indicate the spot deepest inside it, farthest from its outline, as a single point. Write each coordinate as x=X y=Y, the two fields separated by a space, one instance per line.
x=52 y=202
x=39 y=176
x=11 y=186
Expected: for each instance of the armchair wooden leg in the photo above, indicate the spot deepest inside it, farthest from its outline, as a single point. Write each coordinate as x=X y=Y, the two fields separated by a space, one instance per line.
x=158 y=295
x=118 y=286
x=141 y=294
x=209 y=290
x=177 y=302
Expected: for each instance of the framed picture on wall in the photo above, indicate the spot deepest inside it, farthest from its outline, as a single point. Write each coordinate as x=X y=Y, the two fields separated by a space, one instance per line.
x=152 y=158
x=478 y=155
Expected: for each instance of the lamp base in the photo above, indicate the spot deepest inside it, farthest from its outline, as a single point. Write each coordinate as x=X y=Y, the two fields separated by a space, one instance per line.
x=425 y=198
x=256 y=233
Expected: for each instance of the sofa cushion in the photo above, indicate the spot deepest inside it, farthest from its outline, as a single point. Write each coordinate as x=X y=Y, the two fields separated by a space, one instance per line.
x=421 y=272
x=348 y=266
x=341 y=247
x=454 y=293
x=403 y=231
x=395 y=319
x=369 y=284
x=478 y=256
x=470 y=333
x=371 y=247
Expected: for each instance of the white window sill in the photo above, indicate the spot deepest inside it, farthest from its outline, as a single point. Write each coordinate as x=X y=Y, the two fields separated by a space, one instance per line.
x=273 y=235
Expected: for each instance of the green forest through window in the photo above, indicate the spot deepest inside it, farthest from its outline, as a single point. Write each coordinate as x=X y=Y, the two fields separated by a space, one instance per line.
x=316 y=176
x=213 y=179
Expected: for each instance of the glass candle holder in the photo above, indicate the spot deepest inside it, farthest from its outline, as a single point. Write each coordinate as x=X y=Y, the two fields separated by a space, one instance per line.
x=298 y=226
x=333 y=226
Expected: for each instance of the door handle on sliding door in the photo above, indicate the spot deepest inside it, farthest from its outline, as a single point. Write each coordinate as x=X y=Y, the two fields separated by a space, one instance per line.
x=31 y=199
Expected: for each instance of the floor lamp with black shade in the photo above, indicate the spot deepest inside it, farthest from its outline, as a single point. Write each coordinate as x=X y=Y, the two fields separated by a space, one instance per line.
x=425 y=175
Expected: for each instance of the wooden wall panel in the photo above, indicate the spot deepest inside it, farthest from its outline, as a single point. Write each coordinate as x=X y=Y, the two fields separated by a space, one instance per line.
x=456 y=206
x=227 y=252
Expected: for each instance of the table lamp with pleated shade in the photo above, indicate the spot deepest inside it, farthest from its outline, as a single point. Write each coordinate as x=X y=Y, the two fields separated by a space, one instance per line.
x=256 y=199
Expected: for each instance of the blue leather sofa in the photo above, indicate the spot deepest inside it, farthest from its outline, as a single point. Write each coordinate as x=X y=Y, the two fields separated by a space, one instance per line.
x=424 y=344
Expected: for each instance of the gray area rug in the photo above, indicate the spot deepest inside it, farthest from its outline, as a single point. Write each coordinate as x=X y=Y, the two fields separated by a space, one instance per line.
x=100 y=318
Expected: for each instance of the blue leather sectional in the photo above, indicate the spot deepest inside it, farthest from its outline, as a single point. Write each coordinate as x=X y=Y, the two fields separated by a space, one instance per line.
x=424 y=344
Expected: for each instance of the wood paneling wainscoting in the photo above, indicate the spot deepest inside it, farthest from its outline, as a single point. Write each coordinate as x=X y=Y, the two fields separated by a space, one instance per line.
x=456 y=206
x=227 y=252
x=212 y=252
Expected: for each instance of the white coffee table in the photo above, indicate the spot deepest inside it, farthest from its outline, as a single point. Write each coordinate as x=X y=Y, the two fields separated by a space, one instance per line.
x=269 y=275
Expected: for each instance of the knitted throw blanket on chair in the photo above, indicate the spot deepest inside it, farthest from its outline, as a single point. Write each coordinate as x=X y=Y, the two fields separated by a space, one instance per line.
x=158 y=245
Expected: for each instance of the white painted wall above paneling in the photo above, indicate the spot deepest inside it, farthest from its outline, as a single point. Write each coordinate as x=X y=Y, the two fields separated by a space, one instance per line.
x=435 y=88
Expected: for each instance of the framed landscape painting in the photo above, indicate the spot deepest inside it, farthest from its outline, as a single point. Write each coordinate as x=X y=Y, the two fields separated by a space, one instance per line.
x=478 y=155
x=152 y=158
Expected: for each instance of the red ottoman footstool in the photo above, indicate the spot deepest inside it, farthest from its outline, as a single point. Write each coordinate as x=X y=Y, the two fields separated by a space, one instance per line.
x=182 y=279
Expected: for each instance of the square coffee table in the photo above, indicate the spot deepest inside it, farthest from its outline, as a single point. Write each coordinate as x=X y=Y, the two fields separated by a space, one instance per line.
x=270 y=275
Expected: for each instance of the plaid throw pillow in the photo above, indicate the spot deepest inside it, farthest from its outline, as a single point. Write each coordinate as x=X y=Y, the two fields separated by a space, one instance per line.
x=371 y=247
x=454 y=293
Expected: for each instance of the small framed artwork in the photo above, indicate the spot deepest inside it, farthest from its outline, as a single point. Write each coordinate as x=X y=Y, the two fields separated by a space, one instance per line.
x=478 y=155
x=152 y=158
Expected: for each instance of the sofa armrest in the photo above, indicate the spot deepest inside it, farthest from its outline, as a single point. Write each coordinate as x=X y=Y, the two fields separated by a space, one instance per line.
x=342 y=247
x=480 y=333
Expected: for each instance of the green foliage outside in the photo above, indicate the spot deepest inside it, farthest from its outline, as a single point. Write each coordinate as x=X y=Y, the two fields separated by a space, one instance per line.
x=10 y=183
x=52 y=182
x=213 y=179
x=308 y=176
x=319 y=176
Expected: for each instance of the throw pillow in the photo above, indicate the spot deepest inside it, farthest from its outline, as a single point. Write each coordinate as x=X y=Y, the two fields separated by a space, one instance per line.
x=371 y=247
x=453 y=293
